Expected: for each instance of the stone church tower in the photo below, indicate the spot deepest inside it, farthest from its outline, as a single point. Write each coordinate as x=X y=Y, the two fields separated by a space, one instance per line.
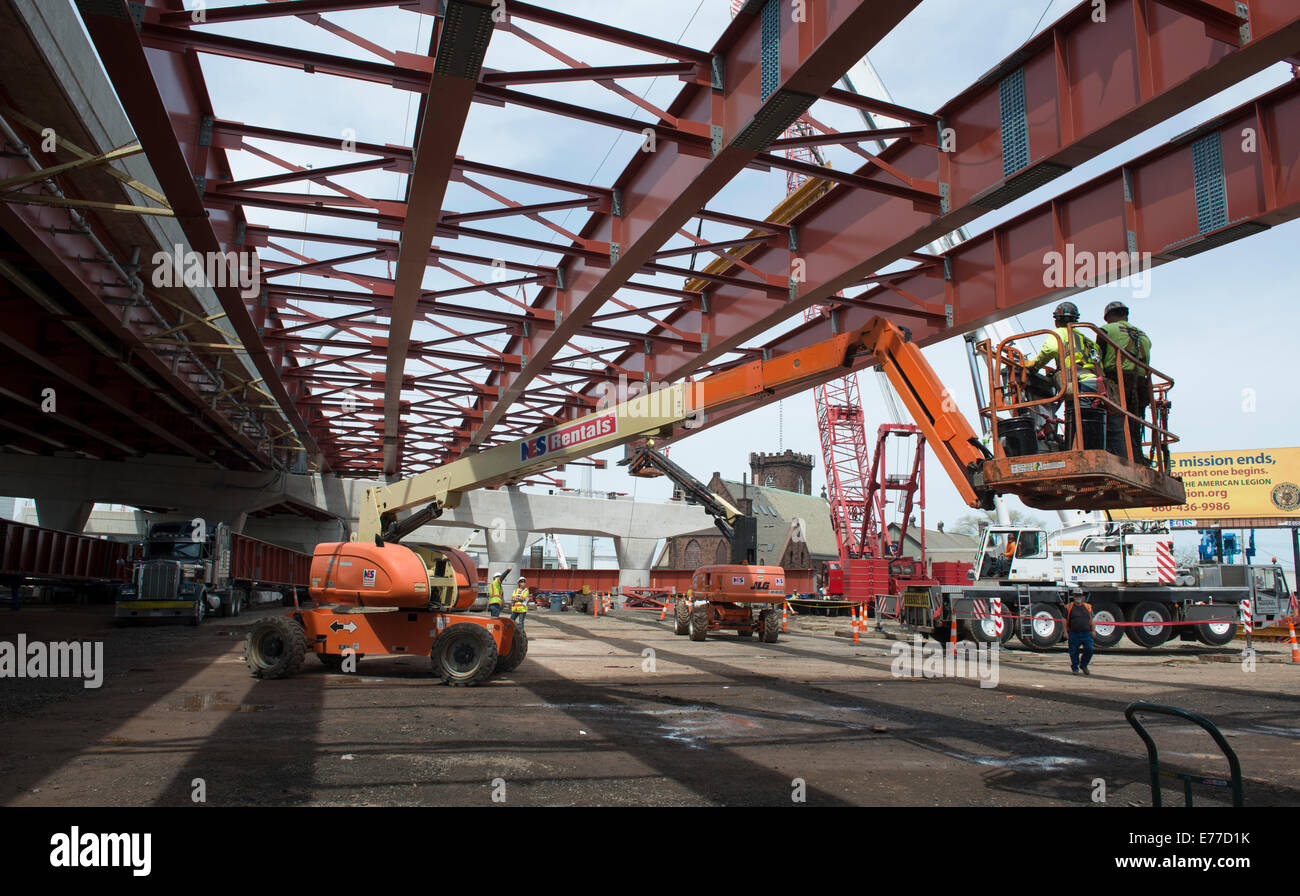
x=787 y=470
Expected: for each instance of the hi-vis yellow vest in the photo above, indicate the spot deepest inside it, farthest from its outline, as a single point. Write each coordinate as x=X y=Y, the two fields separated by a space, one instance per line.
x=520 y=598
x=494 y=591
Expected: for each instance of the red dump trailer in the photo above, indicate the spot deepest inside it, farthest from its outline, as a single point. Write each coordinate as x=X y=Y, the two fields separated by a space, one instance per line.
x=85 y=564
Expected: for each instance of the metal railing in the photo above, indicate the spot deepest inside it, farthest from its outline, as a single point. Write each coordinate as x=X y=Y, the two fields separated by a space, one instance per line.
x=1153 y=756
x=1016 y=391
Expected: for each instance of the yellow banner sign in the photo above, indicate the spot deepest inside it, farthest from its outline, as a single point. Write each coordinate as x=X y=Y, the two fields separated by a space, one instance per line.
x=1231 y=484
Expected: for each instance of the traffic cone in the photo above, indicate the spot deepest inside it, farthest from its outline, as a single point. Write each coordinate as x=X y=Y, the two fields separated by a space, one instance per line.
x=857 y=625
x=785 y=615
x=664 y=614
x=1295 y=650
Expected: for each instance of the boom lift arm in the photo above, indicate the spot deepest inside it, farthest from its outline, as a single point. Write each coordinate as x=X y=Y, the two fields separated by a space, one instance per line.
x=644 y=458
x=977 y=475
x=740 y=530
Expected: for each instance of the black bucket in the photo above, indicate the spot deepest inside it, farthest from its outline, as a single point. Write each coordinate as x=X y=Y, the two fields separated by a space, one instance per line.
x=1094 y=427
x=1019 y=436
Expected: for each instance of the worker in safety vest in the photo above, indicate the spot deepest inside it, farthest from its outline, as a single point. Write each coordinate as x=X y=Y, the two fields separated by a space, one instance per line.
x=1137 y=377
x=519 y=602
x=1080 y=361
x=495 y=594
x=1078 y=628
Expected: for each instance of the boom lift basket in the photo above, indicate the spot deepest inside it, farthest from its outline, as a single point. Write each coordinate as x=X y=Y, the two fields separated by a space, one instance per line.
x=1071 y=472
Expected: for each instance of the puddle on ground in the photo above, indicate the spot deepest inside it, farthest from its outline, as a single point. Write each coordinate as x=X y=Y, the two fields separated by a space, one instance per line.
x=218 y=703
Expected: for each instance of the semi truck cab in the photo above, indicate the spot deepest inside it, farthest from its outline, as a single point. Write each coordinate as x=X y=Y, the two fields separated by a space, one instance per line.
x=182 y=574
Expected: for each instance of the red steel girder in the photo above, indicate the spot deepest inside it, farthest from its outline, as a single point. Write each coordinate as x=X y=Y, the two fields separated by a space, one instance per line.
x=177 y=158
x=661 y=191
x=1002 y=272
x=1079 y=102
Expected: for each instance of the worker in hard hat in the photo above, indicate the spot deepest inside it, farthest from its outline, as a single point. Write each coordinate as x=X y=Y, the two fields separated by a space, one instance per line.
x=495 y=592
x=519 y=602
x=1080 y=361
x=1137 y=377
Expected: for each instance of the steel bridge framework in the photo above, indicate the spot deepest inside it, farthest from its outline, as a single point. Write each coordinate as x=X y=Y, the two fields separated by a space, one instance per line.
x=395 y=329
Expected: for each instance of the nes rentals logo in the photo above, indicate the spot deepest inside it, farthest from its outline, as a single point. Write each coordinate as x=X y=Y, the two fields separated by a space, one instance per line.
x=568 y=437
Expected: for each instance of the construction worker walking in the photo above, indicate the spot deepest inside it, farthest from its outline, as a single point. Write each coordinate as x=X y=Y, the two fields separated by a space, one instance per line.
x=519 y=603
x=1137 y=377
x=495 y=594
x=1078 y=627
x=1076 y=359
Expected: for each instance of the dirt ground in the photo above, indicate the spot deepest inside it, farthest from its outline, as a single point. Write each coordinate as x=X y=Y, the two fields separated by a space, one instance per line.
x=619 y=711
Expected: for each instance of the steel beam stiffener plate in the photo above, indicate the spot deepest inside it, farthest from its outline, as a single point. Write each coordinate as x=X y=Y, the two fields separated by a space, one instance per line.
x=399 y=633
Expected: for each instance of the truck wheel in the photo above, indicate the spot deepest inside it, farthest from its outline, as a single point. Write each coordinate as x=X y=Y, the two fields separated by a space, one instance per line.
x=984 y=631
x=1154 y=629
x=1046 y=626
x=334 y=661
x=200 y=610
x=275 y=648
x=699 y=627
x=1215 y=634
x=1105 y=632
x=237 y=603
x=681 y=617
x=464 y=655
x=771 y=623
x=518 y=650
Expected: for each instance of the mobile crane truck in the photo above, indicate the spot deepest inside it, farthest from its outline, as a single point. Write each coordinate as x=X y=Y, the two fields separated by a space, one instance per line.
x=1127 y=574
x=376 y=596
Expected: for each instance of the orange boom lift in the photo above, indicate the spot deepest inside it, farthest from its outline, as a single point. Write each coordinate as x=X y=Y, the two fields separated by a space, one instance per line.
x=378 y=596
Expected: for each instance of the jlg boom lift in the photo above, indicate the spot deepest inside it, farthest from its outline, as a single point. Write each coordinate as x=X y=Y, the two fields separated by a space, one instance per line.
x=376 y=596
x=724 y=595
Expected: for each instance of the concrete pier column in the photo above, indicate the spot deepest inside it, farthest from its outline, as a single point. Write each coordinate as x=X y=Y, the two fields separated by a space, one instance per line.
x=505 y=549
x=67 y=514
x=634 y=558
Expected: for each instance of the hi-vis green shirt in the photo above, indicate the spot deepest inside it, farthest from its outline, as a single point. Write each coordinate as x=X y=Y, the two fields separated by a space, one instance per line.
x=494 y=591
x=1130 y=339
x=1084 y=354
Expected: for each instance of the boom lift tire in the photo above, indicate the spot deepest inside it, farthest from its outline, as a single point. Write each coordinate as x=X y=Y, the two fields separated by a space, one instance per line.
x=275 y=648
x=771 y=624
x=518 y=650
x=1150 y=611
x=464 y=655
x=1216 y=634
x=681 y=617
x=699 y=627
x=1105 y=615
x=1046 y=626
